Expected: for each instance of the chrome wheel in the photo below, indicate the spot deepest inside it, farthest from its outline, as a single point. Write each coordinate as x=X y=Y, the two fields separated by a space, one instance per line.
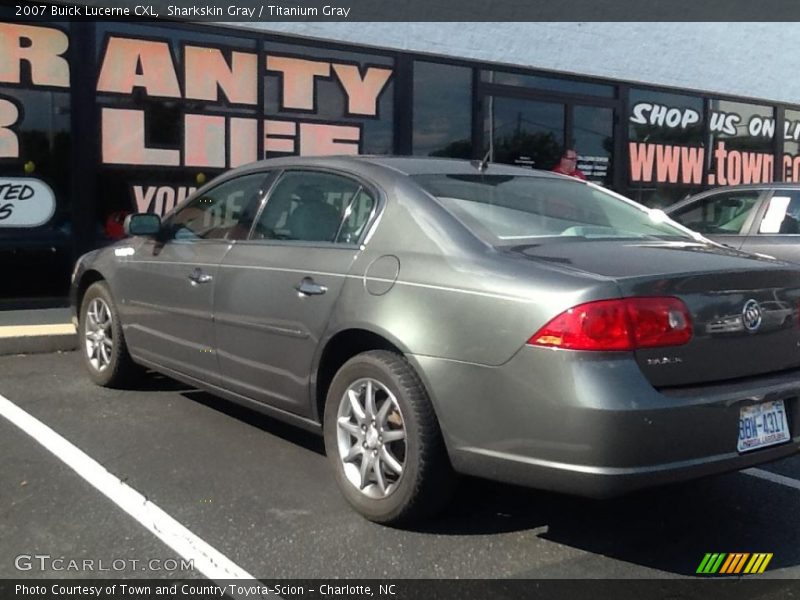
x=371 y=438
x=98 y=335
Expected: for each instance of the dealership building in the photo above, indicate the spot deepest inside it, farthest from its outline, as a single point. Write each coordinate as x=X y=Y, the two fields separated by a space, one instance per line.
x=100 y=119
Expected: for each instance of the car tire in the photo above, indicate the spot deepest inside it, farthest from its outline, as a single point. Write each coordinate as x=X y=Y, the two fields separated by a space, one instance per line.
x=426 y=480
x=101 y=340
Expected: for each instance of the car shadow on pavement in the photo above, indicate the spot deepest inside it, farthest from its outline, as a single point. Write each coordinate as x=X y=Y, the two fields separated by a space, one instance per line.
x=669 y=528
x=150 y=381
x=290 y=433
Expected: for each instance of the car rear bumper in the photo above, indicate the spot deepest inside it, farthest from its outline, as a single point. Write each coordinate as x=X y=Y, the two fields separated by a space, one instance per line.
x=592 y=425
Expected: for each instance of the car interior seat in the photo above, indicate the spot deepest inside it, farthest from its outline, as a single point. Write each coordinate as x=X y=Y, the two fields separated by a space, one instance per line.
x=313 y=219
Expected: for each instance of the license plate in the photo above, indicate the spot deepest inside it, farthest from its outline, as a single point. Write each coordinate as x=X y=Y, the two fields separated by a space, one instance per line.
x=762 y=425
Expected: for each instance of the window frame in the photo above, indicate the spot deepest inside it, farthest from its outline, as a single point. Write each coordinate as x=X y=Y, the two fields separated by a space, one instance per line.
x=372 y=188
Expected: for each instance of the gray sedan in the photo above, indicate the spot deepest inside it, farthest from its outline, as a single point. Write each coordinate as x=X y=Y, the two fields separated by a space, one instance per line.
x=432 y=317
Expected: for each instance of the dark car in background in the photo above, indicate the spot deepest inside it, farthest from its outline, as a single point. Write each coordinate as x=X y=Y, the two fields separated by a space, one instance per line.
x=432 y=317
x=763 y=219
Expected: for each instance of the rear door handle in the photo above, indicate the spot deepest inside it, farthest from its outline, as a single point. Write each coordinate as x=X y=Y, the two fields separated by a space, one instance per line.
x=198 y=276
x=309 y=287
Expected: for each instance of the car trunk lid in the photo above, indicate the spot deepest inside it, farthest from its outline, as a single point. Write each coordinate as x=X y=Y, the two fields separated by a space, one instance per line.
x=744 y=309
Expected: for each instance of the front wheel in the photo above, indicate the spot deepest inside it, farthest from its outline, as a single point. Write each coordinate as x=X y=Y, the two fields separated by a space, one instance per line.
x=383 y=440
x=104 y=351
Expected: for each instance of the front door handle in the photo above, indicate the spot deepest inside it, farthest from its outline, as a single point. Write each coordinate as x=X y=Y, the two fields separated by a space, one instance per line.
x=198 y=276
x=309 y=287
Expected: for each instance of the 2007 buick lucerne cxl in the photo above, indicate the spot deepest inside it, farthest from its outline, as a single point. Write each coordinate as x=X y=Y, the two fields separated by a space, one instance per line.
x=433 y=317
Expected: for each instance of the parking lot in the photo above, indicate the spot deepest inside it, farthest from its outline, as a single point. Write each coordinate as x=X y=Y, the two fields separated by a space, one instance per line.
x=261 y=493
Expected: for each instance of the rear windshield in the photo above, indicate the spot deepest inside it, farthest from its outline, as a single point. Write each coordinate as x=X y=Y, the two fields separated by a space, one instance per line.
x=506 y=209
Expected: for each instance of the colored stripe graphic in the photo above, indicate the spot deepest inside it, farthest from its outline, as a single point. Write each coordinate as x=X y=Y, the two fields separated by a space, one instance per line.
x=759 y=562
x=732 y=564
x=711 y=563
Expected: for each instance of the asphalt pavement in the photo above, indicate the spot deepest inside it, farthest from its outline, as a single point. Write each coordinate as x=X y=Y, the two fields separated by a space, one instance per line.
x=262 y=494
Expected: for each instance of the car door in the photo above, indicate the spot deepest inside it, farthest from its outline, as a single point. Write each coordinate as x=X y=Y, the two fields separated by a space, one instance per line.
x=724 y=215
x=166 y=288
x=776 y=229
x=277 y=290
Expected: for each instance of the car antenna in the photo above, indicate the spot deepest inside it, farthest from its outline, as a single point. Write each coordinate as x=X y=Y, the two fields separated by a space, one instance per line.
x=483 y=163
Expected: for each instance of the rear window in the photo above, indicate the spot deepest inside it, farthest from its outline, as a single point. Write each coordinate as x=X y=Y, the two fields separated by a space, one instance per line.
x=504 y=209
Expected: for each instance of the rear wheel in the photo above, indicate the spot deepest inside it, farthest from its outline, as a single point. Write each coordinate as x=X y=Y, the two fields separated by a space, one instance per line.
x=101 y=340
x=383 y=440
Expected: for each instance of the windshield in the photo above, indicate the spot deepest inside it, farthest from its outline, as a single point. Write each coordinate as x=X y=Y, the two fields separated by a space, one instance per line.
x=508 y=209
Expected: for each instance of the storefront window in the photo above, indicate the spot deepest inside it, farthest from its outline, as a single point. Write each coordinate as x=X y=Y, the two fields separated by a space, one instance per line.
x=666 y=147
x=552 y=84
x=36 y=243
x=442 y=110
x=323 y=101
x=791 y=146
x=176 y=108
x=741 y=143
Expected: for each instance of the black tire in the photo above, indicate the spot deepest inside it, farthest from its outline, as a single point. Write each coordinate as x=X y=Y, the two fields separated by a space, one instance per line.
x=427 y=479
x=120 y=370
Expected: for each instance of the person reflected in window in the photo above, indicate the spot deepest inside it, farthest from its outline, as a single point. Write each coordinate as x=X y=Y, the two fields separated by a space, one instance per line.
x=568 y=165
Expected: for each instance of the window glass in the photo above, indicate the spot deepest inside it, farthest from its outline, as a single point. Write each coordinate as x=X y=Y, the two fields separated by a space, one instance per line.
x=37 y=217
x=356 y=217
x=320 y=101
x=223 y=212
x=315 y=207
x=525 y=132
x=553 y=84
x=505 y=209
x=442 y=110
x=593 y=140
x=791 y=146
x=175 y=108
x=782 y=214
x=741 y=143
x=667 y=152
x=721 y=213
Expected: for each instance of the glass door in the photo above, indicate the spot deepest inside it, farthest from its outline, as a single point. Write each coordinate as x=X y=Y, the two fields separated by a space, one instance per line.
x=537 y=133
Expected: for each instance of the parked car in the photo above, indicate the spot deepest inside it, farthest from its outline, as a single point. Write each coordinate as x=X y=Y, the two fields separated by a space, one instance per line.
x=762 y=218
x=433 y=316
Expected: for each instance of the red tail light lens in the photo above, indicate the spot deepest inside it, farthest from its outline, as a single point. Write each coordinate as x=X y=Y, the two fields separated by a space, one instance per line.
x=622 y=324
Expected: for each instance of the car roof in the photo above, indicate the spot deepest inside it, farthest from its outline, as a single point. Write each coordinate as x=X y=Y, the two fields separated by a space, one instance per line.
x=420 y=165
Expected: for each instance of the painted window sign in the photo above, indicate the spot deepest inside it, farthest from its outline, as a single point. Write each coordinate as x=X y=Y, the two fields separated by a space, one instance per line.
x=220 y=141
x=740 y=152
x=229 y=78
x=25 y=202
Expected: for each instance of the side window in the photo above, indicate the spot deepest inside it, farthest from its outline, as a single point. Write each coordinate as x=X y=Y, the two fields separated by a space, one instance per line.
x=725 y=212
x=223 y=212
x=782 y=214
x=356 y=216
x=315 y=207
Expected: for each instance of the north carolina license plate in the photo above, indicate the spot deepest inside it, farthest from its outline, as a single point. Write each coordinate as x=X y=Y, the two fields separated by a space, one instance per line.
x=762 y=425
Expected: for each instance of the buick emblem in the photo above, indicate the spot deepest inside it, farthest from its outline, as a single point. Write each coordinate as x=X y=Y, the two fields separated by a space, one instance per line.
x=751 y=316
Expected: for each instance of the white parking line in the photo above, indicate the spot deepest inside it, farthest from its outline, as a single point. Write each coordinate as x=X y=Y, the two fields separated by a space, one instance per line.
x=207 y=560
x=773 y=477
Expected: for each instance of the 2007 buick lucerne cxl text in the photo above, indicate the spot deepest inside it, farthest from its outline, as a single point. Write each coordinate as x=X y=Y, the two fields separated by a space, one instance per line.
x=433 y=317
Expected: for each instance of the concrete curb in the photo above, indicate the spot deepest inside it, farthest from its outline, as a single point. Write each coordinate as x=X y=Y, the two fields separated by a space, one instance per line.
x=37 y=339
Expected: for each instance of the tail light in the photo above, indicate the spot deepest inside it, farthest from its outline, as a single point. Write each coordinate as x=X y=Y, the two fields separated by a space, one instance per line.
x=621 y=324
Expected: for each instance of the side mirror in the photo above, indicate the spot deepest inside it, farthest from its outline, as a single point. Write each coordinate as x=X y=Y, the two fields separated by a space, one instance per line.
x=142 y=224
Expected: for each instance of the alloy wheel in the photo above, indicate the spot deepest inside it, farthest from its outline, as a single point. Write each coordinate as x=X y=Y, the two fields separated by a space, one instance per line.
x=371 y=438
x=98 y=334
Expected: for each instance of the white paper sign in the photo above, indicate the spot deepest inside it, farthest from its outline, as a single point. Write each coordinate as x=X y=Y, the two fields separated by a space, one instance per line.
x=25 y=202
